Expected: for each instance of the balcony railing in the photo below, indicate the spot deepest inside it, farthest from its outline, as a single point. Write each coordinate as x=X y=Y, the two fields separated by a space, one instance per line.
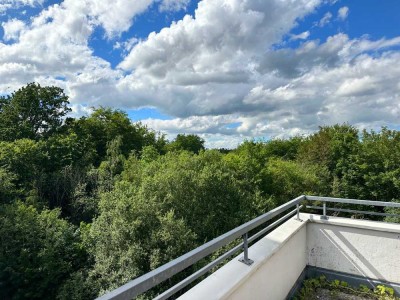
x=144 y=283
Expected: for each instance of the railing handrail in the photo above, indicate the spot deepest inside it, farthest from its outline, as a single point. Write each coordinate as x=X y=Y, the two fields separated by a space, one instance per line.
x=147 y=281
x=353 y=201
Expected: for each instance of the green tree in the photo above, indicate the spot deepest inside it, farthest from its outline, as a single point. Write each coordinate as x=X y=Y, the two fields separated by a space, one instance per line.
x=188 y=142
x=38 y=252
x=8 y=190
x=32 y=112
x=331 y=147
x=105 y=124
x=284 y=180
x=374 y=171
x=131 y=236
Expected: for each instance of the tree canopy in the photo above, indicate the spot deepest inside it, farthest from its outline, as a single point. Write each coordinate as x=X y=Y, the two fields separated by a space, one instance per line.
x=32 y=112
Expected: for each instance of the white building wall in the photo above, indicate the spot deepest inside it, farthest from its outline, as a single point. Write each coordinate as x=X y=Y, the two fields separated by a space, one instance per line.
x=356 y=247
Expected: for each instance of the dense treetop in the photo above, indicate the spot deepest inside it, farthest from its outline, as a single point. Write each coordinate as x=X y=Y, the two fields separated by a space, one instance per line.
x=87 y=204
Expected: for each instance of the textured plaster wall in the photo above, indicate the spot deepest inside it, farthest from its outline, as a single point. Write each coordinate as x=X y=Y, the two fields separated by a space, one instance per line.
x=359 y=251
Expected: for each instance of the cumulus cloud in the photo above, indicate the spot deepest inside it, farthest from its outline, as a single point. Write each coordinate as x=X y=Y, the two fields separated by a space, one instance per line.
x=13 y=4
x=209 y=72
x=325 y=19
x=343 y=12
x=116 y=16
x=173 y=5
x=12 y=29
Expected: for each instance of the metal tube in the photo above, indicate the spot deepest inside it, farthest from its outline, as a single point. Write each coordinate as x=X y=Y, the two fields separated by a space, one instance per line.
x=353 y=201
x=324 y=216
x=273 y=225
x=298 y=212
x=245 y=258
x=363 y=212
x=245 y=247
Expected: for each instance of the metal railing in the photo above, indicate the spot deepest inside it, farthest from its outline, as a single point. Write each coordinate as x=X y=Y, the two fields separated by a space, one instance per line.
x=144 y=283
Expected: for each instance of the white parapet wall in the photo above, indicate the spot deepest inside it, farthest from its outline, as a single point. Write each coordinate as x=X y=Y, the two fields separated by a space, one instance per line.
x=357 y=247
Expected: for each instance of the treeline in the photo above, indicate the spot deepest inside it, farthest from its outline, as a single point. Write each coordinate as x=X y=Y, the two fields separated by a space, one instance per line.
x=87 y=204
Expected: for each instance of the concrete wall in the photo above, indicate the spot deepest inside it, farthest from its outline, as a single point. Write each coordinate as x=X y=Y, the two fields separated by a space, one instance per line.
x=279 y=258
x=364 y=248
x=275 y=278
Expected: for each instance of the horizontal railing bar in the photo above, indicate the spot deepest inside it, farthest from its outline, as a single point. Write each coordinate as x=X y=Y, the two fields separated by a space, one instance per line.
x=354 y=211
x=269 y=227
x=151 y=279
x=197 y=274
x=353 y=201
x=168 y=293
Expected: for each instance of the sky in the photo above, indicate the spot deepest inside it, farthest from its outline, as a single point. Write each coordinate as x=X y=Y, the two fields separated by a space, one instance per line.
x=226 y=70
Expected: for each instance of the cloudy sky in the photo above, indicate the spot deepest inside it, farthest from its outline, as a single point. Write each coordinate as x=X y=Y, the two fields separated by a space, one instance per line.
x=227 y=70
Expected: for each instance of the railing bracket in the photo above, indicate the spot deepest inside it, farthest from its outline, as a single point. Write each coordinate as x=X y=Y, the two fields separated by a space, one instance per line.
x=246 y=262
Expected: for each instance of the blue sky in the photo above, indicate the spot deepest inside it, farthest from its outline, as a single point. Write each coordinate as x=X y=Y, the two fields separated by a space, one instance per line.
x=227 y=70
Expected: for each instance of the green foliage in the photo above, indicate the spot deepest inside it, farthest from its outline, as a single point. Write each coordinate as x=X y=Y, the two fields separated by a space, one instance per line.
x=382 y=290
x=8 y=190
x=131 y=236
x=374 y=171
x=310 y=287
x=32 y=112
x=197 y=187
x=105 y=124
x=161 y=209
x=288 y=179
x=287 y=149
x=188 y=142
x=330 y=147
x=38 y=251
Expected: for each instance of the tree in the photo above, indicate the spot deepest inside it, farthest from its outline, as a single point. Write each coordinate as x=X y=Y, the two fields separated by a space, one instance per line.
x=374 y=171
x=105 y=124
x=38 y=252
x=331 y=147
x=32 y=112
x=7 y=187
x=190 y=142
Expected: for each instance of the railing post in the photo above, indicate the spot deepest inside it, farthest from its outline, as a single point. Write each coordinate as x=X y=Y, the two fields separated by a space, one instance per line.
x=245 y=259
x=298 y=212
x=324 y=216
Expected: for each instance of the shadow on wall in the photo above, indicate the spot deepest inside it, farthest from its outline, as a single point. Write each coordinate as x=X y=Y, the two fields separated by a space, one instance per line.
x=362 y=252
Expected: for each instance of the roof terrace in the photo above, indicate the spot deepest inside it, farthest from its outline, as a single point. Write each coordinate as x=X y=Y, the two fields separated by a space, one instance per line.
x=287 y=247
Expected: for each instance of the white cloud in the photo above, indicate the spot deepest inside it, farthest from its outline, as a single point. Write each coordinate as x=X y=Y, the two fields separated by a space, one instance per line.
x=301 y=36
x=343 y=12
x=325 y=19
x=126 y=46
x=116 y=16
x=12 y=29
x=209 y=72
x=14 y=4
x=173 y=5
